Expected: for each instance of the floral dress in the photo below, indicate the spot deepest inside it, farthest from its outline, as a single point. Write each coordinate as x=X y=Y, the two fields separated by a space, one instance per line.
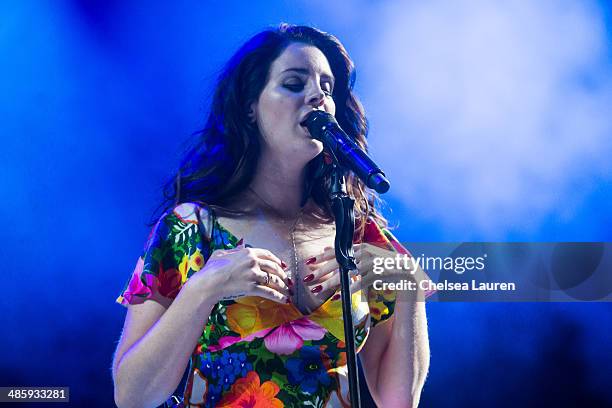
x=254 y=352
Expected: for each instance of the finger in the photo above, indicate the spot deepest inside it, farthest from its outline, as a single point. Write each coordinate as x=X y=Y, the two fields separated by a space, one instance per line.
x=321 y=287
x=356 y=286
x=265 y=254
x=327 y=254
x=329 y=275
x=219 y=252
x=317 y=272
x=269 y=293
x=275 y=280
x=273 y=268
x=223 y=252
x=359 y=252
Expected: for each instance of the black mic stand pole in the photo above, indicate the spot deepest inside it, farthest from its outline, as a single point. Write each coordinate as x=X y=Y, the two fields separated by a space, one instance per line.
x=342 y=206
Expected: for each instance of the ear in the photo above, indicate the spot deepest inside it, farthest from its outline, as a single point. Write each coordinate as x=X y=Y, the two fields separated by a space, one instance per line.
x=251 y=114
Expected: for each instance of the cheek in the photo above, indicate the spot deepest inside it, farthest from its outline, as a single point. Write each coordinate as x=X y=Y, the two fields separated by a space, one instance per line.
x=268 y=115
x=330 y=106
x=277 y=107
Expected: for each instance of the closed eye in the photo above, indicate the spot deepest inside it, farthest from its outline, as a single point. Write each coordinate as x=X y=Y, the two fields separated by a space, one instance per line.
x=298 y=87
x=294 y=87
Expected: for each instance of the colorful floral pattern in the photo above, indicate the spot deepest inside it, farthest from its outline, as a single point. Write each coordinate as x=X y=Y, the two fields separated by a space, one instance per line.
x=248 y=392
x=254 y=352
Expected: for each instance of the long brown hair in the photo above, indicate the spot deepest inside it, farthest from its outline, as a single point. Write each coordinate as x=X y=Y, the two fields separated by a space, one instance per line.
x=224 y=155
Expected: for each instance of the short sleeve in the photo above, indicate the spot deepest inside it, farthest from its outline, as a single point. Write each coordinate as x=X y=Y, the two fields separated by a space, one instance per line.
x=382 y=302
x=173 y=252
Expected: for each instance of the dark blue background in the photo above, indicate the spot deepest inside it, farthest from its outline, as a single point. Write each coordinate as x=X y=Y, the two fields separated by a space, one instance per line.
x=97 y=99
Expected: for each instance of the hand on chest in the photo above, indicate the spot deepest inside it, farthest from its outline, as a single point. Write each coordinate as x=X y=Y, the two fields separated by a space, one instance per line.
x=298 y=245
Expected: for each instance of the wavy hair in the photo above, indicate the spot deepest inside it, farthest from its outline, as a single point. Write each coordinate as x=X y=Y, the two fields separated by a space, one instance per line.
x=223 y=157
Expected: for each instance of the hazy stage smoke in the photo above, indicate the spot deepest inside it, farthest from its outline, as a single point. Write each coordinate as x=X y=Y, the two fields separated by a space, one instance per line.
x=491 y=116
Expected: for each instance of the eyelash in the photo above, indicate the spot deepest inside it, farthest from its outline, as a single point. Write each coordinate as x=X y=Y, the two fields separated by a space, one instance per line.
x=299 y=87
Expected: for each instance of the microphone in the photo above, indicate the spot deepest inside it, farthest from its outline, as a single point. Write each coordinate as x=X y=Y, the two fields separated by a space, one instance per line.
x=323 y=126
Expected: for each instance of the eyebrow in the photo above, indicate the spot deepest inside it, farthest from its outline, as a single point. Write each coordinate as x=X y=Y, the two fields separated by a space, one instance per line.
x=306 y=72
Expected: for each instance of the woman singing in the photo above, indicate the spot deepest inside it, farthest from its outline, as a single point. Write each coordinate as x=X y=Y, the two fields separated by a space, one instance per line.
x=239 y=279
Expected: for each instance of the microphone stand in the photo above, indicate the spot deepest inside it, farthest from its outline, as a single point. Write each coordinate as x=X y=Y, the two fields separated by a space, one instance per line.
x=324 y=127
x=342 y=206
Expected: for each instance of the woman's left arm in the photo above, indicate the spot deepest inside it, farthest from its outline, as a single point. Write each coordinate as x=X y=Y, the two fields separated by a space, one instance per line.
x=395 y=357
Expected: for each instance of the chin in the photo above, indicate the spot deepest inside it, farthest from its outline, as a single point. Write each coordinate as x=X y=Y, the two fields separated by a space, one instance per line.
x=304 y=152
x=317 y=144
x=311 y=142
x=315 y=147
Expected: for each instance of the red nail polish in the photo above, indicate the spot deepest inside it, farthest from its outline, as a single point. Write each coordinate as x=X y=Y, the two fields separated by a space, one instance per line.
x=316 y=289
x=240 y=242
x=310 y=261
x=289 y=282
x=283 y=265
x=309 y=277
x=336 y=297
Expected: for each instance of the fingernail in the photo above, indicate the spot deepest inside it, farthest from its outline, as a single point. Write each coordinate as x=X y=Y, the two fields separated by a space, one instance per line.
x=248 y=246
x=289 y=282
x=283 y=265
x=310 y=261
x=316 y=289
x=309 y=277
x=288 y=300
x=240 y=242
x=336 y=297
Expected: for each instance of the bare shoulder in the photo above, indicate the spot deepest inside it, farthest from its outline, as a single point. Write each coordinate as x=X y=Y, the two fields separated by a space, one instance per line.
x=188 y=212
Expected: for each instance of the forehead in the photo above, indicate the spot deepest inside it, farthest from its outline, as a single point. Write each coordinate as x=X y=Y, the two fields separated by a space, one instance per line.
x=301 y=56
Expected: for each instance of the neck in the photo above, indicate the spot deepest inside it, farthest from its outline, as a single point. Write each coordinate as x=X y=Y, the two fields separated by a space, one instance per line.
x=279 y=184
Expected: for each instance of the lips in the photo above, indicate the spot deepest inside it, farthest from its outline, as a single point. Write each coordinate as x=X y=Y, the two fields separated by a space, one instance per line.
x=303 y=125
x=306 y=131
x=303 y=119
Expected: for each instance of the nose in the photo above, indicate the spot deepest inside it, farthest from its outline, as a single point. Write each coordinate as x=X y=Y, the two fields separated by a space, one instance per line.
x=316 y=97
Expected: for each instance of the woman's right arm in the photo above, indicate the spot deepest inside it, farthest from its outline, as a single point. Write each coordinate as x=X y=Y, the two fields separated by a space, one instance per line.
x=156 y=345
x=158 y=340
